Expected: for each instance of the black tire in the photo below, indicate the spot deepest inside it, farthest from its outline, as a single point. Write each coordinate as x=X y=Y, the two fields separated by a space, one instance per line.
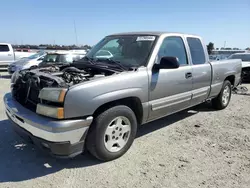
x=95 y=138
x=217 y=102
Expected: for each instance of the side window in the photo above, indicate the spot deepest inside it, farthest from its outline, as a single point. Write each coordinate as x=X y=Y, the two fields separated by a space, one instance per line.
x=196 y=50
x=4 y=48
x=173 y=46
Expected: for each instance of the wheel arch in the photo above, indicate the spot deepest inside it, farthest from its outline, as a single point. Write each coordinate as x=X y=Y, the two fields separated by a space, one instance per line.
x=134 y=103
x=231 y=79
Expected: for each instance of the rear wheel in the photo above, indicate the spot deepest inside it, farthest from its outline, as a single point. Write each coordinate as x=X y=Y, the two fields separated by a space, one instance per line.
x=223 y=99
x=112 y=133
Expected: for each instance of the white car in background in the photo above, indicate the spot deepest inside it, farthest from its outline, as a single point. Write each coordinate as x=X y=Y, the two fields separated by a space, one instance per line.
x=245 y=57
x=59 y=58
x=8 y=55
x=26 y=63
x=83 y=52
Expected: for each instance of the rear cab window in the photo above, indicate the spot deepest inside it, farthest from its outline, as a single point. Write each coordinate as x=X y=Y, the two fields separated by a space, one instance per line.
x=196 y=50
x=4 y=48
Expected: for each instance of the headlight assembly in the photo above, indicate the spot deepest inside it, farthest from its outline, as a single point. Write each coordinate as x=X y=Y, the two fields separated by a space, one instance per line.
x=53 y=94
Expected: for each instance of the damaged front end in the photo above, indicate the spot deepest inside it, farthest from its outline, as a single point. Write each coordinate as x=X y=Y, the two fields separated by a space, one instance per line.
x=41 y=89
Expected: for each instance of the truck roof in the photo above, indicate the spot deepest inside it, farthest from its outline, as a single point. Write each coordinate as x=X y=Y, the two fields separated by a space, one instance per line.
x=156 y=33
x=3 y=43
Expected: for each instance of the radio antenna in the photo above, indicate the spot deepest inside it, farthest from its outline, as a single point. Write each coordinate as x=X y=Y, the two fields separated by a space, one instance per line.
x=75 y=33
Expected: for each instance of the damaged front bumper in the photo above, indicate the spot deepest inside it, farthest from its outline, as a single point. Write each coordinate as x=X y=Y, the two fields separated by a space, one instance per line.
x=62 y=138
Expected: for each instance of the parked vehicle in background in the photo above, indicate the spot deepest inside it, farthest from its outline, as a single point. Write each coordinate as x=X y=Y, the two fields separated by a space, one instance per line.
x=217 y=57
x=7 y=55
x=79 y=51
x=23 y=50
x=245 y=57
x=227 y=52
x=99 y=103
x=61 y=58
x=26 y=63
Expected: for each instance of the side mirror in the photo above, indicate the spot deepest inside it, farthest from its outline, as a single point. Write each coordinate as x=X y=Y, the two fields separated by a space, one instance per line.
x=41 y=58
x=168 y=63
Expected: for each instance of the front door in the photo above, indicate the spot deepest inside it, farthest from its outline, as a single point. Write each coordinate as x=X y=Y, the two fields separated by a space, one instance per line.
x=170 y=89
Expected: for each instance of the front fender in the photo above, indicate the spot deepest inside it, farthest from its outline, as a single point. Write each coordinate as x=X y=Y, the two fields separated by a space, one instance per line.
x=76 y=107
x=84 y=99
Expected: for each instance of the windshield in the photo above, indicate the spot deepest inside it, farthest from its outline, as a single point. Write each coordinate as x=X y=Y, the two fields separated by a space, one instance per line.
x=37 y=55
x=243 y=57
x=131 y=50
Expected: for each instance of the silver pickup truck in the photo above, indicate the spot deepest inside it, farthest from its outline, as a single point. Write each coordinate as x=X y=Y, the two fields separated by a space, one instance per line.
x=98 y=102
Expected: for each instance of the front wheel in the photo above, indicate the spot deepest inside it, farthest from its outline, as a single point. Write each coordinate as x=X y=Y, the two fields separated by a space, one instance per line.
x=112 y=133
x=223 y=99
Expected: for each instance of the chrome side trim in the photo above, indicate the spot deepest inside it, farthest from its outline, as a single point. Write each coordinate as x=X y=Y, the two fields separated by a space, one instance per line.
x=170 y=101
x=170 y=104
x=200 y=92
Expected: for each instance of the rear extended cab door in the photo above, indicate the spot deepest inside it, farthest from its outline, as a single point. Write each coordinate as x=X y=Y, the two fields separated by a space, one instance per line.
x=201 y=69
x=6 y=54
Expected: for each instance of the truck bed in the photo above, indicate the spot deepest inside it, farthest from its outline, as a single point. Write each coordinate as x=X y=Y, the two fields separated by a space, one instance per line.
x=221 y=70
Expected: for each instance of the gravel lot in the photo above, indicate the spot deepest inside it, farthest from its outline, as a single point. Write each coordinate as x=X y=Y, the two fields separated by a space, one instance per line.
x=195 y=148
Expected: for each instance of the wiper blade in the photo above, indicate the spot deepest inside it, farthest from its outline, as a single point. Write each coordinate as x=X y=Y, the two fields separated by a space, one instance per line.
x=117 y=63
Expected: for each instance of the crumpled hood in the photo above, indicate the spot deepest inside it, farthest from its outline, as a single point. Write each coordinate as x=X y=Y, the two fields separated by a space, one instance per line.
x=245 y=64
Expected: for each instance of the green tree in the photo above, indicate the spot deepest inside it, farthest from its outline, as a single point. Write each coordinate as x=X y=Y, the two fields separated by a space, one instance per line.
x=210 y=47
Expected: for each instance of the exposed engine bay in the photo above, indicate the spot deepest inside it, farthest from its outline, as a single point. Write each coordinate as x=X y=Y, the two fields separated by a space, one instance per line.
x=28 y=83
x=55 y=76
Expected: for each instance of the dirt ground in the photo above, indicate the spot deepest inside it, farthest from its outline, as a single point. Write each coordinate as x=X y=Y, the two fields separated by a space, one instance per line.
x=194 y=148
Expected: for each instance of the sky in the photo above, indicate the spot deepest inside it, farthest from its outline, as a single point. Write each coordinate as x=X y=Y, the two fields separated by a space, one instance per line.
x=52 y=21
